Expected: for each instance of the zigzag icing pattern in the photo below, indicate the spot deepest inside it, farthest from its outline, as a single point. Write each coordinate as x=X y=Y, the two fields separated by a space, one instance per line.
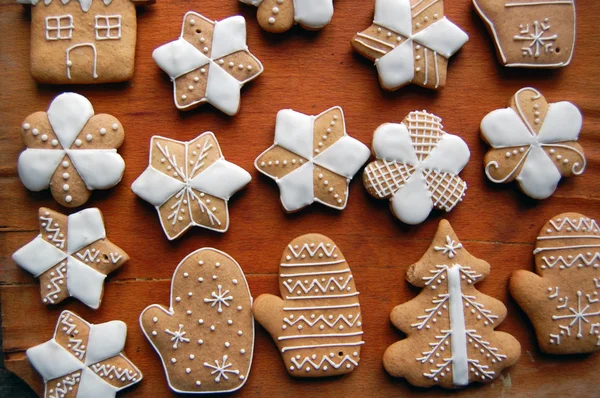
x=62 y=388
x=565 y=263
x=315 y=282
x=79 y=353
x=331 y=324
x=588 y=223
x=102 y=371
x=56 y=230
x=69 y=326
x=54 y=282
x=312 y=250
x=325 y=359
x=89 y=255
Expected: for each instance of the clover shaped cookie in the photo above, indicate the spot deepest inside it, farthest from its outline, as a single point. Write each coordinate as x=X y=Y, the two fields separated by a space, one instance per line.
x=417 y=167
x=278 y=16
x=205 y=339
x=533 y=142
x=70 y=150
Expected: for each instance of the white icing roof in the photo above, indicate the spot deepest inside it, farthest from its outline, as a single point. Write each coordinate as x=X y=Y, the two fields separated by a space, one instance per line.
x=85 y=4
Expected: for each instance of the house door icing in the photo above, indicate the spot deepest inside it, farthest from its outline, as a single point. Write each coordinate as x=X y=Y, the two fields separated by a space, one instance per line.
x=70 y=60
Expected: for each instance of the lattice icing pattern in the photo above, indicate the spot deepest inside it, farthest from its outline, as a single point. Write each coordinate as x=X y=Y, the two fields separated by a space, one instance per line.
x=562 y=302
x=277 y=16
x=417 y=167
x=71 y=256
x=317 y=324
x=83 y=359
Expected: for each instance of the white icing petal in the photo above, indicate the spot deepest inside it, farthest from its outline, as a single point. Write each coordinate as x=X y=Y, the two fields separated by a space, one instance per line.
x=178 y=57
x=412 y=203
x=394 y=15
x=85 y=4
x=294 y=132
x=503 y=128
x=313 y=13
x=229 y=36
x=99 y=168
x=393 y=68
x=297 y=189
x=106 y=340
x=450 y=155
x=68 y=114
x=52 y=361
x=38 y=256
x=539 y=176
x=443 y=37
x=36 y=167
x=345 y=157
x=255 y=3
x=223 y=90
x=84 y=282
x=92 y=386
x=83 y=228
x=562 y=123
x=156 y=187
x=221 y=179
x=391 y=141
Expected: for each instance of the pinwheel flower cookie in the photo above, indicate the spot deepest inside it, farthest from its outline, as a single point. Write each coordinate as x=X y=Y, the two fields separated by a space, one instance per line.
x=312 y=159
x=534 y=142
x=70 y=150
x=209 y=62
x=317 y=323
x=205 y=339
x=84 y=360
x=410 y=42
x=189 y=183
x=71 y=256
x=277 y=16
x=417 y=167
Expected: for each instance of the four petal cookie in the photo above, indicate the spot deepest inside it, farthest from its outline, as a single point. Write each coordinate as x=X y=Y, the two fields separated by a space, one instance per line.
x=70 y=150
x=277 y=16
x=84 y=360
x=205 y=339
x=417 y=167
x=210 y=62
x=533 y=142
x=189 y=183
x=71 y=256
x=410 y=42
x=312 y=159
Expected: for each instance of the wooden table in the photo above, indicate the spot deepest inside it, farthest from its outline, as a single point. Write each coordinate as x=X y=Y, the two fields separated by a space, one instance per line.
x=309 y=72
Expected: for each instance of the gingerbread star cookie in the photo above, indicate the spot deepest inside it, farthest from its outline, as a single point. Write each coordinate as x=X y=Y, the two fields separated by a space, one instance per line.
x=312 y=159
x=410 y=42
x=209 y=62
x=71 y=256
x=277 y=16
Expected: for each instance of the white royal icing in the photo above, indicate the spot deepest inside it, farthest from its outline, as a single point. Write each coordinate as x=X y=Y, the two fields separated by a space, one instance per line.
x=314 y=14
x=85 y=4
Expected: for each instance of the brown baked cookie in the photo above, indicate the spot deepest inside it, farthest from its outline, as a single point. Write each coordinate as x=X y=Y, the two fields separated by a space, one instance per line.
x=278 y=16
x=205 y=339
x=562 y=302
x=450 y=325
x=317 y=326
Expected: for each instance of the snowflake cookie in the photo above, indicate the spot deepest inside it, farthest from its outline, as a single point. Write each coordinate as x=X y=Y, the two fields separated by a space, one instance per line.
x=417 y=167
x=317 y=324
x=205 y=339
x=450 y=338
x=531 y=33
x=277 y=16
x=70 y=150
x=312 y=159
x=71 y=256
x=533 y=142
x=209 y=62
x=410 y=42
x=562 y=299
x=72 y=366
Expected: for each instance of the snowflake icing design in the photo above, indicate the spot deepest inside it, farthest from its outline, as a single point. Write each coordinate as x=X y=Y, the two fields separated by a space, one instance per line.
x=449 y=248
x=580 y=314
x=221 y=369
x=220 y=298
x=536 y=37
x=177 y=336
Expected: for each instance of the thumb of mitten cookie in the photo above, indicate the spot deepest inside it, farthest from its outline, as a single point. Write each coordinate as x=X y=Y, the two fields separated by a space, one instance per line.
x=317 y=326
x=206 y=338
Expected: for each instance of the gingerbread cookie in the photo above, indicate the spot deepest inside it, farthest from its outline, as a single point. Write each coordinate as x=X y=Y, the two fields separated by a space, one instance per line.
x=71 y=256
x=533 y=142
x=189 y=183
x=71 y=150
x=562 y=302
x=84 y=360
x=205 y=339
x=531 y=33
x=317 y=326
x=277 y=16
x=209 y=62
x=410 y=41
x=83 y=41
x=312 y=159
x=450 y=325
x=417 y=167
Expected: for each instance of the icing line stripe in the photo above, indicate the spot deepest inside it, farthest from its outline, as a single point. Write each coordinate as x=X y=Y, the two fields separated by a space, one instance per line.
x=319 y=272
x=425 y=8
x=371 y=47
x=537 y=3
x=569 y=237
x=324 y=297
x=313 y=264
x=309 y=336
x=541 y=249
x=320 y=307
x=299 y=347
x=385 y=43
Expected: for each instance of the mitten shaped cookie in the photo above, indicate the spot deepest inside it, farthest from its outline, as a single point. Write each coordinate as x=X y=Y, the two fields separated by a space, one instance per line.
x=317 y=325
x=450 y=340
x=562 y=299
x=531 y=33
x=278 y=16
x=534 y=142
x=205 y=339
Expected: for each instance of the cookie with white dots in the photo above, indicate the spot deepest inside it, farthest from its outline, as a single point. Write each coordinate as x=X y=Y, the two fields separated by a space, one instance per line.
x=278 y=16
x=205 y=339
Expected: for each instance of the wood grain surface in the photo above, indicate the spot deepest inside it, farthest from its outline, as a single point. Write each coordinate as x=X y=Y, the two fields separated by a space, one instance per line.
x=308 y=72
